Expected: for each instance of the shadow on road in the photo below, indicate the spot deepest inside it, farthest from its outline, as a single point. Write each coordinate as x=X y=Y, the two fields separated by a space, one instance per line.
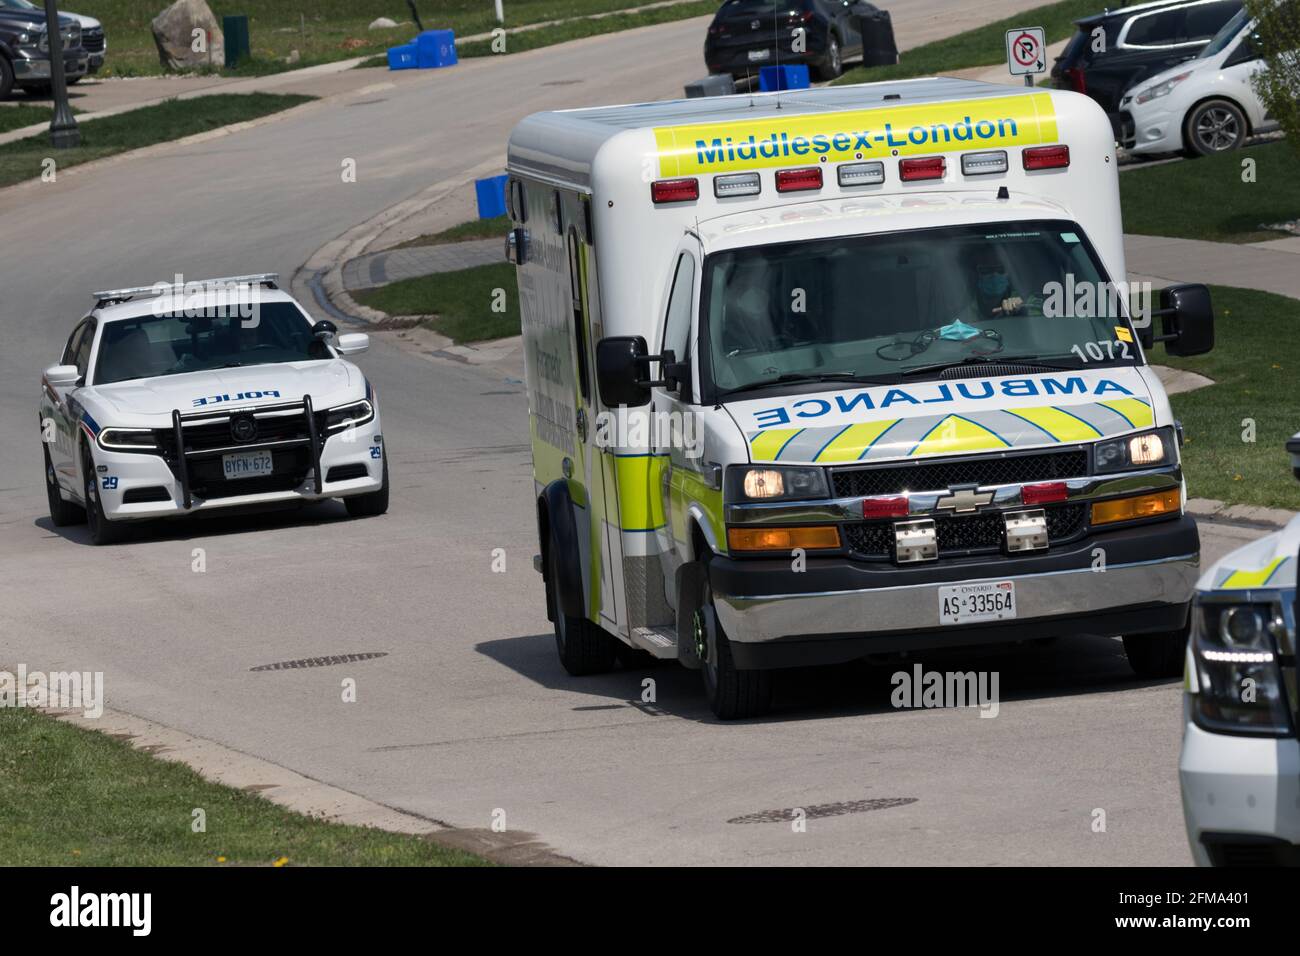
x=211 y=525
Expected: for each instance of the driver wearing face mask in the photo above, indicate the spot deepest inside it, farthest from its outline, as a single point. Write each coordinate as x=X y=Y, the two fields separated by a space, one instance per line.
x=993 y=292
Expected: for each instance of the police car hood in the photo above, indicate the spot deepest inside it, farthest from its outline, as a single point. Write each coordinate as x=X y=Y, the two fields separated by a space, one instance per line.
x=950 y=417
x=149 y=402
x=1268 y=563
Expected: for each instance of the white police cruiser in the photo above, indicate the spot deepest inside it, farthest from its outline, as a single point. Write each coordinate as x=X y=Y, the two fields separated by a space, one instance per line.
x=189 y=396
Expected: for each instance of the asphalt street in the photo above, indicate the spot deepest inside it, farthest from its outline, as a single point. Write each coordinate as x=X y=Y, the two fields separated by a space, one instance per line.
x=469 y=711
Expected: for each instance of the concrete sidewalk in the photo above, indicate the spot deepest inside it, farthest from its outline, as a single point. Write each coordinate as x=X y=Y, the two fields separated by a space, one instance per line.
x=392 y=265
x=1272 y=266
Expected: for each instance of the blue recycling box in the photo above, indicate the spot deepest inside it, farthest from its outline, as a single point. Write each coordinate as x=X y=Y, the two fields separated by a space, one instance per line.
x=491 y=194
x=436 y=48
x=402 y=57
x=793 y=77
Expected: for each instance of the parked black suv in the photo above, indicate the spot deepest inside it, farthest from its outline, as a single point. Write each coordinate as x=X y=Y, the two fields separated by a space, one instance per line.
x=25 y=49
x=748 y=34
x=1136 y=42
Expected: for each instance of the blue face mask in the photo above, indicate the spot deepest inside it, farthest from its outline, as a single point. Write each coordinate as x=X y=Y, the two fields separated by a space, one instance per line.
x=994 y=284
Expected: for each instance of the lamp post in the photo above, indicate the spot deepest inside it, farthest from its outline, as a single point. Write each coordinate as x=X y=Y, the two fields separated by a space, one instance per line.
x=63 y=127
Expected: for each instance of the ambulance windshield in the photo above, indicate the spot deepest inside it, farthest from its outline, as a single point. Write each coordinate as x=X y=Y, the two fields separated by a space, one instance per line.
x=914 y=303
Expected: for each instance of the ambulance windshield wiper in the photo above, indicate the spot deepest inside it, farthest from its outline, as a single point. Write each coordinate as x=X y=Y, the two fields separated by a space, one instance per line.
x=1029 y=360
x=793 y=378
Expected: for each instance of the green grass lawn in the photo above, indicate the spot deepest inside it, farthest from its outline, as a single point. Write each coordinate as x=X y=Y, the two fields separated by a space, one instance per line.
x=1255 y=364
x=983 y=46
x=146 y=126
x=73 y=796
x=326 y=30
x=24 y=114
x=460 y=302
x=494 y=228
x=560 y=33
x=1207 y=199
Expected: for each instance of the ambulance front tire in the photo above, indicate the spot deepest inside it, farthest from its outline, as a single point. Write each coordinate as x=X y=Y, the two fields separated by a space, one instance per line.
x=1158 y=655
x=583 y=647
x=732 y=693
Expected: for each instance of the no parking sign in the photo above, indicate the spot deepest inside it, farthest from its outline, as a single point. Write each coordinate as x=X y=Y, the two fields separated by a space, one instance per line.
x=1026 y=51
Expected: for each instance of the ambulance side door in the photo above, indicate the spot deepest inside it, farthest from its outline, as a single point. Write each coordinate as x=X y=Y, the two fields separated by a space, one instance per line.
x=674 y=424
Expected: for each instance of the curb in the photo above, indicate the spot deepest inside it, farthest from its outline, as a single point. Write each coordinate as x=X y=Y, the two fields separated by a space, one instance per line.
x=1213 y=509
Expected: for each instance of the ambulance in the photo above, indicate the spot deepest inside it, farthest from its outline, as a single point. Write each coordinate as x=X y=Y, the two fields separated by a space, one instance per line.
x=824 y=374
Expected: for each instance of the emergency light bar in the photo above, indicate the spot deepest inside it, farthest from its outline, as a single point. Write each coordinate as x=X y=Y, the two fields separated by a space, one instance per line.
x=1046 y=157
x=861 y=174
x=268 y=279
x=982 y=164
x=798 y=180
x=924 y=167
x=674 y=190
x=736 y=184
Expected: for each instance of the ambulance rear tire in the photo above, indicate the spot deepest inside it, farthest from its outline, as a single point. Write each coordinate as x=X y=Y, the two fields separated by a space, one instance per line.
x=1154 y=656
x=583 y=647
x=733 y=693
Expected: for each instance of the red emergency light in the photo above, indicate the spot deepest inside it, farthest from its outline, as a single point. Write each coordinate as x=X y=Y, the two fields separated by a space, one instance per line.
x=674 y=190
x=1046 y=157
x=1044 y=492
x=798 y=180
x=923 y=167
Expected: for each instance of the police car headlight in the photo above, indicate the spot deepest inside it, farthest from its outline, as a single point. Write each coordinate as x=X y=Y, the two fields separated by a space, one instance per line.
x=349 y=416
x=1161 y=89
x=774 y=483
x=1148 y=450
x=127 y=439
x=1238 y=680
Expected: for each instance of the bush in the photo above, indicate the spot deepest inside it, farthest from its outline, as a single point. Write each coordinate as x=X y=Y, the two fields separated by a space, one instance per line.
x=1277 y=40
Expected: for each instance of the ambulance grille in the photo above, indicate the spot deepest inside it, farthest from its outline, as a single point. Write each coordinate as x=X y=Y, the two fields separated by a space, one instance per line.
x=895 y=479
x=963 y=535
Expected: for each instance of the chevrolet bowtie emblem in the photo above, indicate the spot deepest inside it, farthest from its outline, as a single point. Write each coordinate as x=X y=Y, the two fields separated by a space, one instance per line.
x=964 y=499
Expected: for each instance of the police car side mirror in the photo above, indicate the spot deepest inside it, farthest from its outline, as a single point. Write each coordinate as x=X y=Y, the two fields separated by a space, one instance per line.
x=622 y=371
x=62 y=376
x=1186 y=320
x=351 y=343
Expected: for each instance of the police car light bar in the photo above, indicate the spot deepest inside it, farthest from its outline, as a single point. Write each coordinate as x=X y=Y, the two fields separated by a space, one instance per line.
x=1046 y=157
x=268 y=279
x=798 y=180
x=924 y=167
x=674 y=190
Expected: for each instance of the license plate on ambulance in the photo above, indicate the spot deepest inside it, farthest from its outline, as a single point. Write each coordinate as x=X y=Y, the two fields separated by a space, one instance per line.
x=967 y=603
x=246 y=464
x=759 y=55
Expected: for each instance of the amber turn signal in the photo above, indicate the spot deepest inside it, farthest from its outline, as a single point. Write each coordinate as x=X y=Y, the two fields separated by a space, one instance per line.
x=783 y=539
x=1140 y=506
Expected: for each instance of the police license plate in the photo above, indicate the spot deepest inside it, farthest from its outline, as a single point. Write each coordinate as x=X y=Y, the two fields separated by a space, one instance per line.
x=246 y=464
x=759 y=54
x=966 y=603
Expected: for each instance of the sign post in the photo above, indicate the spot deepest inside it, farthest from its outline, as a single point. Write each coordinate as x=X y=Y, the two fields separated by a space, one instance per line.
x=1026 y=52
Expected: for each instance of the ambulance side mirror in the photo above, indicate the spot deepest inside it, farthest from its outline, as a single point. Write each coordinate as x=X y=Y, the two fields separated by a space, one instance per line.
x=1293 y=449
x=1186 y=321
x=623 y=371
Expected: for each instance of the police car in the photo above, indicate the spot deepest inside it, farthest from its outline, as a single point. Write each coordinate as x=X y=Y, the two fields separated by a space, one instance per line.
x=1240 y=763
x=187 y=397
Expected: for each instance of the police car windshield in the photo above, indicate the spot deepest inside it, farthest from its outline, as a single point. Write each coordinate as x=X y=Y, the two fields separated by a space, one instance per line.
x=173 y=344
x=911 y=304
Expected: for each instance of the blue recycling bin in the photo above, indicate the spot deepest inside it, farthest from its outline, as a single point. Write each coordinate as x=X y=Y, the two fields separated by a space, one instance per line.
x=792 y=77
x=402 y=57
x=491 y=195
x=435 y=48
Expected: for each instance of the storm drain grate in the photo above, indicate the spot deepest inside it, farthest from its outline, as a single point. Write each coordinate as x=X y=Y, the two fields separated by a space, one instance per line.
x=327 y=661
x=825 y=810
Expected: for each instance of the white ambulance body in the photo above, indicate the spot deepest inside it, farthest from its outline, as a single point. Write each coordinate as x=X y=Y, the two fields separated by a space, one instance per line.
x=901 y=409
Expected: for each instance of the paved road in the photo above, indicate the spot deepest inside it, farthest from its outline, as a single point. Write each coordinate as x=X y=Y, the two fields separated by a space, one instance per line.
x=469 y=712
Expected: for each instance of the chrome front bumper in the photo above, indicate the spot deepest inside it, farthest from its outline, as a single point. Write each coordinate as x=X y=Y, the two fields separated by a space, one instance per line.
x=1054 y=594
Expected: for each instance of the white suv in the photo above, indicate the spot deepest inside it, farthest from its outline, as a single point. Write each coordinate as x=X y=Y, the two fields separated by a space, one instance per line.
x=178 y=398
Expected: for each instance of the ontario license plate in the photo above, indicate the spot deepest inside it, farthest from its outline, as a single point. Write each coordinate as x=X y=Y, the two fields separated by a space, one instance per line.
x=759 y=54
x=246 y=464
x=966 y=603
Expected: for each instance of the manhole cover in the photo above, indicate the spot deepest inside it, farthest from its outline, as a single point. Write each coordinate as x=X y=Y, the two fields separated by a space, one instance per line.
x=327 y=661
x=825 y=810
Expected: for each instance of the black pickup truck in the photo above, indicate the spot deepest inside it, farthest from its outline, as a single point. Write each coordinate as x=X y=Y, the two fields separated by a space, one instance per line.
x=25 y=48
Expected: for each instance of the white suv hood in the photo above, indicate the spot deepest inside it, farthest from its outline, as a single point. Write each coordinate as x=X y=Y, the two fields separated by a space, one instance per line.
x=150 y=401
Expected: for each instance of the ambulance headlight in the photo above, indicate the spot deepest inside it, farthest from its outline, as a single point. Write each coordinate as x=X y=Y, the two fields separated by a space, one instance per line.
x=349 y=416
x=1237 y=685
x=1161 y=89
x=1151 y=449
x=774 y=483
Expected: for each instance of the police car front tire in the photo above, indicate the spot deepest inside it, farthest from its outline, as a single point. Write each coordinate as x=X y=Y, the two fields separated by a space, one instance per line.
x=102 y=531
x=62 y=513
x=375 y=503
x=1157 y=655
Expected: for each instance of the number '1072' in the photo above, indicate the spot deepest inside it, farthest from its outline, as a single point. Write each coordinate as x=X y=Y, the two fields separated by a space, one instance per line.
x=1100 y=351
